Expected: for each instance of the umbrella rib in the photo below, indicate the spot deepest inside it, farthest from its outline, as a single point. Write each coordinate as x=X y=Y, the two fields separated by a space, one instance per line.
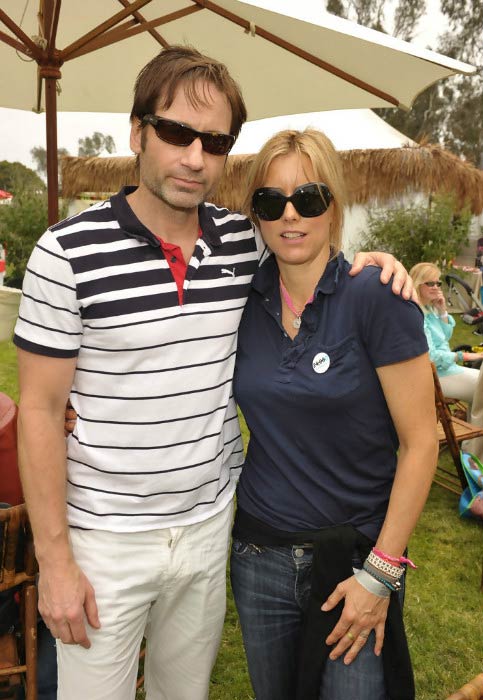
x=116 y=35
x=15 y=44
x=29 y=47
x=292 y=48
x=101 y=28
x=142 y=20
x=52 y=33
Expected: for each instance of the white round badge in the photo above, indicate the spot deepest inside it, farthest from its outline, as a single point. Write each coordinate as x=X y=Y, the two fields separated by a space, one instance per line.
x=321 y=363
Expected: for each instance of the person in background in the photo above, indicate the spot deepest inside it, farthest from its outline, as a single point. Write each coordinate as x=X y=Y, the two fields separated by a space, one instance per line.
x=333 y=377
x=456 y=381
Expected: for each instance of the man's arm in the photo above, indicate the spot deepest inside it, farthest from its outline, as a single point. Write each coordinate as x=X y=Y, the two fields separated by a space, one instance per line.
x=65 y=594
x=402 y=283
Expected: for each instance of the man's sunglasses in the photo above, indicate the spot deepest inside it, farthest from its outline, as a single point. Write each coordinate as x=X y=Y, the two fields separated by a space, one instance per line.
x=433 y=284
x=309 y=200
x=178 y=134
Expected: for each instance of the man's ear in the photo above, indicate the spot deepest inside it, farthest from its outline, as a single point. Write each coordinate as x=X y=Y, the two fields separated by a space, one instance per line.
x=135 y=136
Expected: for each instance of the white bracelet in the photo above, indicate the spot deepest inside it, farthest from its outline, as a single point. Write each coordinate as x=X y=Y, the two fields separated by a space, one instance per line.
x=385 y=567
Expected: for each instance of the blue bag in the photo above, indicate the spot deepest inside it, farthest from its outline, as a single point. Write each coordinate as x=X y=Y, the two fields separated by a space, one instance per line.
x=471 y=500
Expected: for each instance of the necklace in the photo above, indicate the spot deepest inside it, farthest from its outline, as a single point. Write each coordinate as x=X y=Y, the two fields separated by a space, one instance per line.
x=297 y=322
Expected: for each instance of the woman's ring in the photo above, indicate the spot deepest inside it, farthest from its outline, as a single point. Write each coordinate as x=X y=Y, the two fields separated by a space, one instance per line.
x=350 y=635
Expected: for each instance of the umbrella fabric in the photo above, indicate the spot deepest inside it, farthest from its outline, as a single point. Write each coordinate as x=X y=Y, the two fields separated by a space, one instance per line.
x=300 y=61
x=275 y=80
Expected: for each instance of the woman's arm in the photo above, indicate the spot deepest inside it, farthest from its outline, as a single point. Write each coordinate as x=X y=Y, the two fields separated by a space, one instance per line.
x=409 y=392
x=439 y=350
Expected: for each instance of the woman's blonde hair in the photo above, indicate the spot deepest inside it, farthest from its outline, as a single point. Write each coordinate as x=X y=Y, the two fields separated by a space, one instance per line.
x=325 y=163
x=421 y=273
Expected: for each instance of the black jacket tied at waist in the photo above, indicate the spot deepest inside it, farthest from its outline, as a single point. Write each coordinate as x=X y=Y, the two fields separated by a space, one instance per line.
x=334 y=548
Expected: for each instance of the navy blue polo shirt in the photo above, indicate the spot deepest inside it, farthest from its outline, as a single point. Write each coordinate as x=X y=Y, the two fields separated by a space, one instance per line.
x=323 y=446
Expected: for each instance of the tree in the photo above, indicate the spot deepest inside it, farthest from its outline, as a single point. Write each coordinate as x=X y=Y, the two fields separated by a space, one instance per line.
x=463 y=121
x=430 y=232
x=375 y=14
x=451 y=111
x=16 y=178
x=97 y=143
x=21 y=224
x=39 y=155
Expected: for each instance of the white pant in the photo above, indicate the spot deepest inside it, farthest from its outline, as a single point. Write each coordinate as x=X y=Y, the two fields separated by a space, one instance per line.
x=168 y=585
x=461 y=386
x=476 y=445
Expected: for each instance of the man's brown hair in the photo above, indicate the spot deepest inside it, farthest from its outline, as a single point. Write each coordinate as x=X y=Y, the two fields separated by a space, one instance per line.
x=158 y=81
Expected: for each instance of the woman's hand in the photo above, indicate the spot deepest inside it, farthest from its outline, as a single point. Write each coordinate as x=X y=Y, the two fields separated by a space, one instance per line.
x=362 y=613
x=472 y=356
x=439 y=303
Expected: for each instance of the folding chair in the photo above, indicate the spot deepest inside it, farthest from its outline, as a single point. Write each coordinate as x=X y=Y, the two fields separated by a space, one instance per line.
x=452 y=431
x=473 y=690
x=17 y=570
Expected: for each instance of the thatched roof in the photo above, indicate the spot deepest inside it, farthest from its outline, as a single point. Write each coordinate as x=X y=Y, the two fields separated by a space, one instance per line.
x=372 y=175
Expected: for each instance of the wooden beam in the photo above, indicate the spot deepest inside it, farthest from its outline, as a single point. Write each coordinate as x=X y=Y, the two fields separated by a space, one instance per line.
x=114 y=37
x=38 y=107
x=52 y=158
x=51 y=36
x=35 y=52
x=140 y=18
x=101 y=28
x=15 y=44
x=292 y=48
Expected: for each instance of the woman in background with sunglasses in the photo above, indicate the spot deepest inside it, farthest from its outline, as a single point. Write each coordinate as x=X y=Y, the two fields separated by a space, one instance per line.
x=332 y=376
x=455 y=380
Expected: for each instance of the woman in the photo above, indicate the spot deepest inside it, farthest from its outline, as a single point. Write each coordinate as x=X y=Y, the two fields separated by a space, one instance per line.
x=333 y=377
x=455 y=380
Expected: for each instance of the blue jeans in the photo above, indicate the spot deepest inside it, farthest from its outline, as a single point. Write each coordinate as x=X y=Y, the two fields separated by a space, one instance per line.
x=271 y=587
x=47 y=663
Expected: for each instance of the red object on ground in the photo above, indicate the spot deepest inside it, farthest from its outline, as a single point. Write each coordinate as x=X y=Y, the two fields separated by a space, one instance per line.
x=10 y=487
x=5 y=195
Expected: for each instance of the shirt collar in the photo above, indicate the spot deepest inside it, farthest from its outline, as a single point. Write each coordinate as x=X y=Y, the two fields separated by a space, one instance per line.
x=266 y=278
x=129 y=222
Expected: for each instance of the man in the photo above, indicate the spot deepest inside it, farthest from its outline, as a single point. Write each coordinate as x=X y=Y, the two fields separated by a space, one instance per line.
x=132 y=308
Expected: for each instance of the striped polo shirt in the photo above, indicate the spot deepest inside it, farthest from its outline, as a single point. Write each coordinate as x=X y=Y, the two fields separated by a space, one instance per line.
x=157 y=441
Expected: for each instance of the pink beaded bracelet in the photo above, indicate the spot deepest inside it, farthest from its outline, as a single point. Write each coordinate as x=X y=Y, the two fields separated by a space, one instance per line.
x=398 y=560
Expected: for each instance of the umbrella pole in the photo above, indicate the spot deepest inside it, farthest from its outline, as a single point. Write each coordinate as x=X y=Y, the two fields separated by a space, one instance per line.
x=51 y=137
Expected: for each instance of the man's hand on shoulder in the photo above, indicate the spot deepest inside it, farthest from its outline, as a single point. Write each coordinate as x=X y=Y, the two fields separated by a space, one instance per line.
x=402 y=284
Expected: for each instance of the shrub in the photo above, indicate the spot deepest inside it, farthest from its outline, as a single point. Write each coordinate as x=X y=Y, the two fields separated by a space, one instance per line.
x=21 y=224
x=419 y=232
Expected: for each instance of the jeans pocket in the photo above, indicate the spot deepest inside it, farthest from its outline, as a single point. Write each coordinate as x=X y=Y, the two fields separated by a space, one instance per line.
x=240 y=548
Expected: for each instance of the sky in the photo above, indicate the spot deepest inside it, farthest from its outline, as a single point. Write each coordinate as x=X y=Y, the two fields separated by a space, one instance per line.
x=20 y=130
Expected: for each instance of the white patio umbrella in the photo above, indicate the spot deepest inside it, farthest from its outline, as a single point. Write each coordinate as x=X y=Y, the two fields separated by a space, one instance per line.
x=295 y=59
x=348 y=129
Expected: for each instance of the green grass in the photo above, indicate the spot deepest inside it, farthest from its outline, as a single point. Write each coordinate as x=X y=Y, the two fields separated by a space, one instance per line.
x=8 y=370
x=443 y=602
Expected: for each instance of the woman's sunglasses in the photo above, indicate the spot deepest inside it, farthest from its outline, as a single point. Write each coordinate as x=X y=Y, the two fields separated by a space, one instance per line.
x=178 y=134
x=309 y=200
x=433 y=284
